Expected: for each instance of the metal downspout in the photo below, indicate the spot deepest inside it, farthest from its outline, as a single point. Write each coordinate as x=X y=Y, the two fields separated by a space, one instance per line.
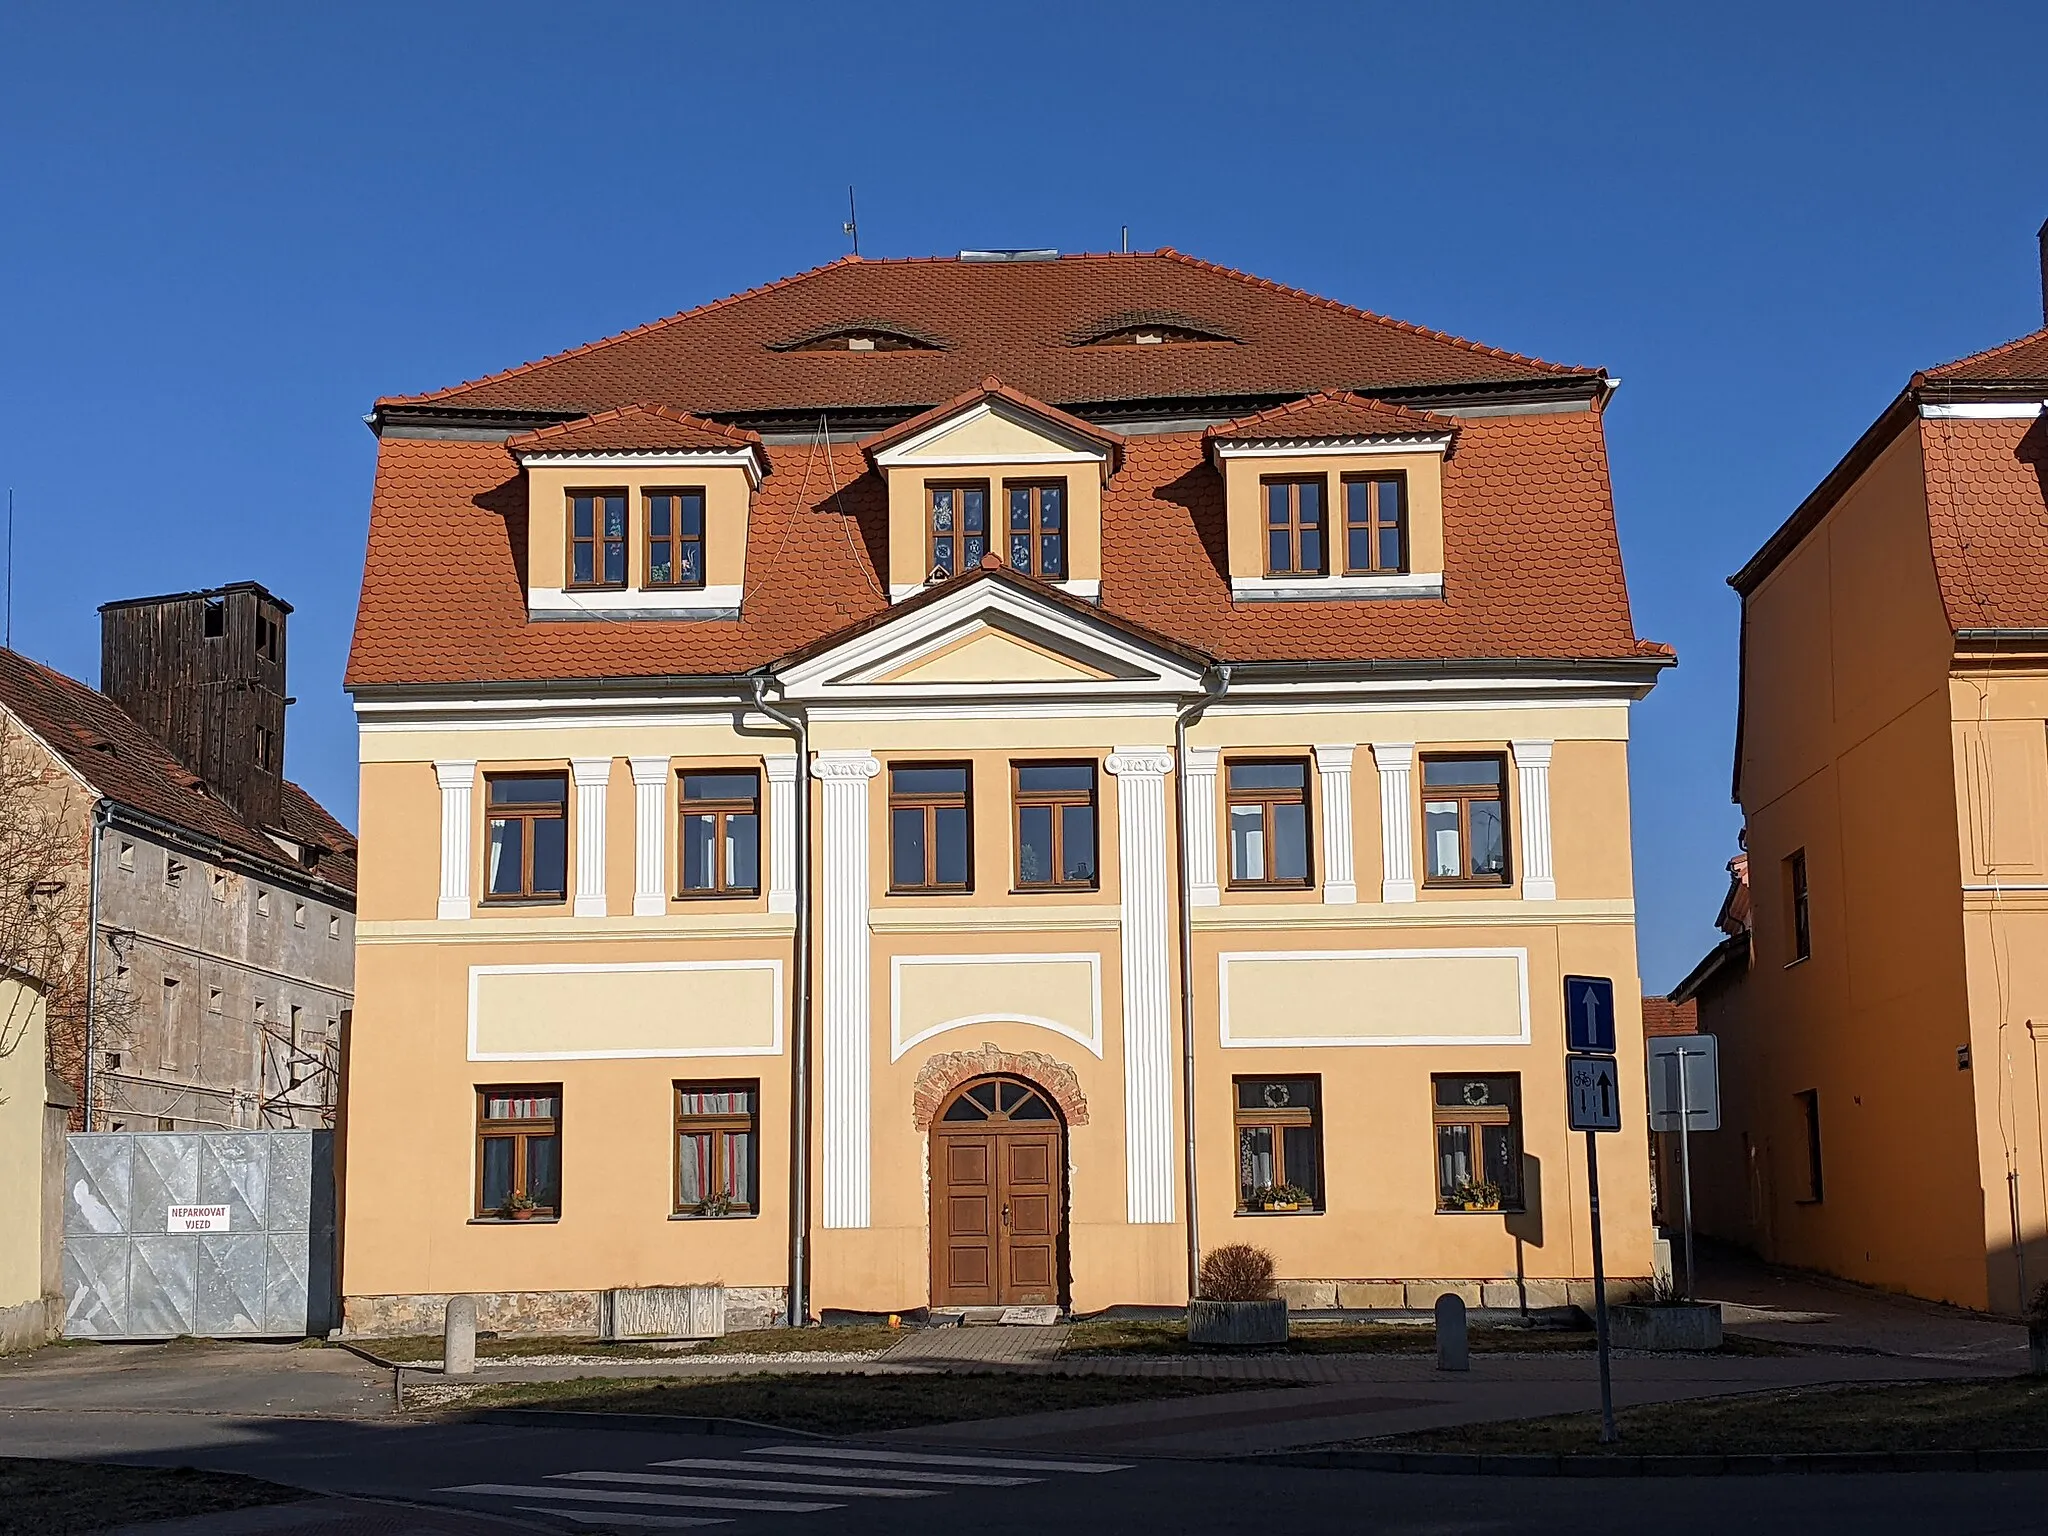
x=799 y=1021
x=101 y=811
x=1215 y=684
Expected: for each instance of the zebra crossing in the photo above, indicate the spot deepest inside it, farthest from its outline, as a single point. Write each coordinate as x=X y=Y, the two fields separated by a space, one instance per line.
x=684 y=1492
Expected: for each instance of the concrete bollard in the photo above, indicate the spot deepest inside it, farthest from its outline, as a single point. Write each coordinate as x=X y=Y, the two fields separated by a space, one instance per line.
x=458 y=1337
x=1452 y=1353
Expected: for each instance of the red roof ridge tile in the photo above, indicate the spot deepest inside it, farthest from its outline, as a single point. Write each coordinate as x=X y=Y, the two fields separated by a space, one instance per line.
x=540 y=437
x=1344 y=398
x=1366 y=314
x=618 y=336
x=1945 y=370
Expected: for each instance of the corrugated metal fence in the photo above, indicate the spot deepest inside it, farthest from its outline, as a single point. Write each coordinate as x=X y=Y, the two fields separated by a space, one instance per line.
x=140 y=1263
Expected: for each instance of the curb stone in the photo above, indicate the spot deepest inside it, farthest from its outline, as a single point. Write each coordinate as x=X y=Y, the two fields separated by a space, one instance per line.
x=1464 y=1464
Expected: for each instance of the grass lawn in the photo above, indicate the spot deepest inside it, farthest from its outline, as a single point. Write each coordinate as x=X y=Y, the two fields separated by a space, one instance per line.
x=55 y=1498
x=845 y=1404
x=761 y=1341
x=2011 y=1413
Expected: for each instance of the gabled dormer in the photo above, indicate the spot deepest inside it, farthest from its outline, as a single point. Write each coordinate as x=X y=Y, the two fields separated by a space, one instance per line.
x=1334 y=496
x=995 y=472
x=638 y=513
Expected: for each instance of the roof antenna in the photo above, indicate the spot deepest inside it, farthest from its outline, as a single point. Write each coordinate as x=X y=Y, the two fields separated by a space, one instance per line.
x=851 y=228
x=1127 y=239
x=9 y=642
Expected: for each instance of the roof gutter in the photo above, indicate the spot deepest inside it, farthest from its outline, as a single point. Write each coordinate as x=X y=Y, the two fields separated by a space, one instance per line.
x=799 y=1312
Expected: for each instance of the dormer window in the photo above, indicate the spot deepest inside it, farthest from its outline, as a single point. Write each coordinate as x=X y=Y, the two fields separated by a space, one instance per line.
x=1038 y=528
x=1375 y=524
x=958 y=524
x=859 y=338
x=675 y=538
x=597 y=539
x=1149 y=328
x=1294 y=526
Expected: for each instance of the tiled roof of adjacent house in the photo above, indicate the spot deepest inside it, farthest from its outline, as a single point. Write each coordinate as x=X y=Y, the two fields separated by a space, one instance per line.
x=442 y=601
x=1033 y=323
x=2024 y=360
x=1661 y=1016
x=1987 y=519
x=1333 y=414
x=633 y=429
x=103 y=745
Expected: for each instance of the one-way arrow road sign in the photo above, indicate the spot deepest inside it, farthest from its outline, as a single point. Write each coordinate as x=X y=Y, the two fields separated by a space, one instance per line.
x=1589 y=1015
x=1593 y=1093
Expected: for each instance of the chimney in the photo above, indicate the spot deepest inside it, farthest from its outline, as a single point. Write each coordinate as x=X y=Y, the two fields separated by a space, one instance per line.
x=204 y=672
x=2043 y=238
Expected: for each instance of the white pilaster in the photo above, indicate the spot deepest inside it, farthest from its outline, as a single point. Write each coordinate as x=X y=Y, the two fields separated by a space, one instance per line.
x=1340 y=880
x=782 y=831
x=593 y=777
x=457 y=781
x=1201 y=828
x=1148 y=977
x=1396 y=763
x=650 y=835
x=845 y=969
x=1532 y=772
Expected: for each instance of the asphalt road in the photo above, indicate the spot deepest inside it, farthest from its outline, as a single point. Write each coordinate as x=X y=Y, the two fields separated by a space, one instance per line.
x=595 y=1479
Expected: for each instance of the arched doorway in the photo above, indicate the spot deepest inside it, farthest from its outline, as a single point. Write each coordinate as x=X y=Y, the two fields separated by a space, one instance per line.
x=998 y=1176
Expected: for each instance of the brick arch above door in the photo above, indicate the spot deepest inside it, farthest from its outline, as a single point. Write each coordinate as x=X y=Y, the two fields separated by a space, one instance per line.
x=943 y=1073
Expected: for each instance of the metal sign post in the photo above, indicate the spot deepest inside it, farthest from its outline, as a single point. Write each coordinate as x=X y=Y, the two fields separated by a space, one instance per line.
x=1608 y=1434
x=1593 y=1105
x=1685 y=1163
x=1676 y=1101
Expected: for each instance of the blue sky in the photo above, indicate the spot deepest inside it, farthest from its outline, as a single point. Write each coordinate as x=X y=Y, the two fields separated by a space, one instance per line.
x=225 y=229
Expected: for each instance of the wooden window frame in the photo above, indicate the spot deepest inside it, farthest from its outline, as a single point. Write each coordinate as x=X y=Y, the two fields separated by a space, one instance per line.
x=719 y=1126
x=675 y=536
x=1476 y=1117
x=1293 y=525
x=1055 y=799
x=930 y=802
x=529 y=812
x=519 y=1132
x=597 y=541
x=1267 y=799
x=1036 y=532
x=1375 y=522
x=719 y=810
x=961 y=565
x=1466 y=795
x=1278 y=1121
x=1799 y=906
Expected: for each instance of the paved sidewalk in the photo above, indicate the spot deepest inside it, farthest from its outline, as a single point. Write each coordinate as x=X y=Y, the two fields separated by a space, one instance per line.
x=1004 y=1344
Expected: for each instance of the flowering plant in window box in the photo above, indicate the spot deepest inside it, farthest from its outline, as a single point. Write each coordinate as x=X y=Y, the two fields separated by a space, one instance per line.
x=715 y=1205
x=1475 y=1195
x=519 y=1208
x=1283 y=1197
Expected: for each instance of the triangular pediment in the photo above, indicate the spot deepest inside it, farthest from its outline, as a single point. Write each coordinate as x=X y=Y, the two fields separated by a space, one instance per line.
x=992 y=638
x=996 y=431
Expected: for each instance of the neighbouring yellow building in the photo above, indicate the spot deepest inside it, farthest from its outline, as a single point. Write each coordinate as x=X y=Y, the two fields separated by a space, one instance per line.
x=974 y=782
x=1883 y=991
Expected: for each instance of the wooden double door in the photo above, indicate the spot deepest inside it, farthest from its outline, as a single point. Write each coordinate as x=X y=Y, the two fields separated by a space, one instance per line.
x=997 y=1187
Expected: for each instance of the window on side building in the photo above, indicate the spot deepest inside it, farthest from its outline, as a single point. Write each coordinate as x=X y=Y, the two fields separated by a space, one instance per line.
x=718 y=1137
x=675 y=539
x=597 y=539
x=1796 y=903
x=527 y=856
x=956 y=529
x=1478 y=1142
x=1464 y=821
x=929 y=844
x=1268 y=807
x=519 y=1152
x=721 y=822
x=1055 y=808
x=1279 y=1143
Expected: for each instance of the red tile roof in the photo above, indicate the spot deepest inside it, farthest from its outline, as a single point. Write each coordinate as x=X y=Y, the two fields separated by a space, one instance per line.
x=104 y=745
x=632 y=429
x=1332 y=414
x=442 y=601
x=2019 y=361
x=1661 y=1016
x=1026 y=321
x=1987 y=516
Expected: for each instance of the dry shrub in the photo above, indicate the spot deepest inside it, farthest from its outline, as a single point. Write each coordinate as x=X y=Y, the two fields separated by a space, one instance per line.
x=1237 y=1272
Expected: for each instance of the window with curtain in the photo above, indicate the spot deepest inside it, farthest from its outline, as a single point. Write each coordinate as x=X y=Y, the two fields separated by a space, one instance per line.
x=527 y=848
x=519 y=1152
x=1464 y=821
x=718 y=1139
x=1478 y=1142
x=1268 y=803
x=1279 y=1144
x=721 y=828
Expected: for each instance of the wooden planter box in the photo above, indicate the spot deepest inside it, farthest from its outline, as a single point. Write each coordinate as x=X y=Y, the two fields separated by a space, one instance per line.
x=1238 y=1323
x=1695 y=1325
